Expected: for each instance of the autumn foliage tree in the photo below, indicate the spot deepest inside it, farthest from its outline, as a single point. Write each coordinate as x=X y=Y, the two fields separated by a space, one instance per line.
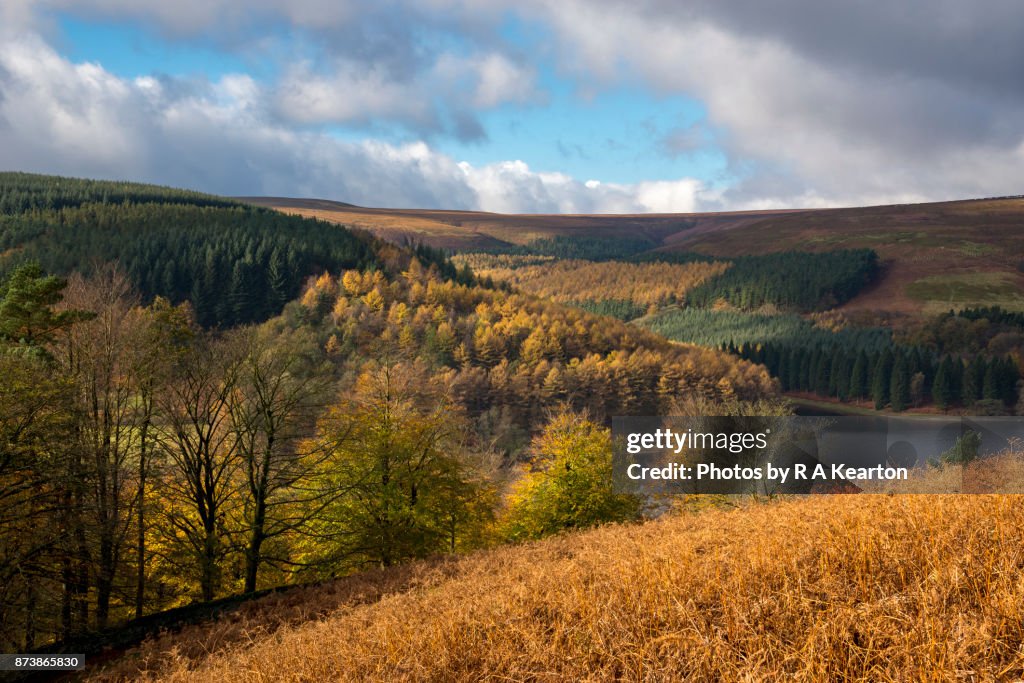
x=568 y=484
x=398 y=472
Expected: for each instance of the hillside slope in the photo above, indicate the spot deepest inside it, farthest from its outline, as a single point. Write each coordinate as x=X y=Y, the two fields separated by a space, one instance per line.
x=235 y=263
x=469 y=230
x=935 y=256
x=818 y=589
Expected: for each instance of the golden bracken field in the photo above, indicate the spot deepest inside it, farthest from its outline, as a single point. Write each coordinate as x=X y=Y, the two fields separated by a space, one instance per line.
x=822 y=588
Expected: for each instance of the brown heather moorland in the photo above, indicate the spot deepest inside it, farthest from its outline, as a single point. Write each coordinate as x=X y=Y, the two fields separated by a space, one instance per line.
x=823 y=588
x=935 y=256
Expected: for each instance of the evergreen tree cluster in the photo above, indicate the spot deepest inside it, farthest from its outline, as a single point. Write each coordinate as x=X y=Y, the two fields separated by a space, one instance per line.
x=724 y=328
x=672 y=257
x=797 y=281
x=994 y=314
x=577 y=247
x=897 y=377
x=622 y=309
x=590 y=248
x=235 y=263
x=21 y=192
x=434 y=256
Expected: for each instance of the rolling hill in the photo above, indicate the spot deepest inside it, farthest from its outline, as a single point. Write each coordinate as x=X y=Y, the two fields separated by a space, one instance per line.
x=823 y=588
x=934 y=256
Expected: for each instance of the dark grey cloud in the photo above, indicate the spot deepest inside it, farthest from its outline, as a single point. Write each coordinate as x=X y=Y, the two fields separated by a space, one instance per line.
x=826 y=102
x=976 y=44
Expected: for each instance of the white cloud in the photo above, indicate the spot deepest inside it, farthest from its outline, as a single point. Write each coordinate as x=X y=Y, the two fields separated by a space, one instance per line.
x=815 y=102
x=78 y=119
x=500 y=80
x=351 y=94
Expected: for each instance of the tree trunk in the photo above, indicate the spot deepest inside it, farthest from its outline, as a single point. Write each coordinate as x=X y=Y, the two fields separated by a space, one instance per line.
x=104 y=581
x=252 y=552
x=140 y=541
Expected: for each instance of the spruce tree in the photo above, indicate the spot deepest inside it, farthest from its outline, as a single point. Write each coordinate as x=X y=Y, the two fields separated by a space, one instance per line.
x=794 y=369
x=834 y=371
x=941 y=388
x=990 y=386
x=899 y=387
x=842 y=377
x=974 y=377
x=881 y=379
x=822 y=374
x=859 y=376
x=956 y=375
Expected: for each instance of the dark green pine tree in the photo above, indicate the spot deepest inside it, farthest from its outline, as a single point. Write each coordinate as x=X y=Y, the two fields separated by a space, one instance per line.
x=241 y=297
x=169 y=282
x=821 y=376
x=899 y=387
x=279 y=288
x=859 y=376
x=1009 y=379
x=201 y=301
x=990 y=386
x=783 y=372
x=794 y=369
x=942 y=389
x=806 y=359
x=974 y=379
x=834 y=370
x=842 y=377
x=956 y=377
x=881 y=379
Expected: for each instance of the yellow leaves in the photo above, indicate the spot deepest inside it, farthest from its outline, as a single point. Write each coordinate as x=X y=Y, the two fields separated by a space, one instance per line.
x=489 y=347
x=725 y=390
x=398 y=313
x=352 y=282
x=604 y=364
x=333 y=346
x=407 y=339
x=310 y=298
x=341 y=309
x=319 y=297
x=374 y=299
x=721 y=305
x=445 y=337
x=417 y=294
x=532 y=349
x=570 y=483
x=325 y=284
x=415 y=273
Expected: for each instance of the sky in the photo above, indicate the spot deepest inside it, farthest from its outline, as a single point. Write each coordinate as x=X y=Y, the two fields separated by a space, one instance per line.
x=526 y=106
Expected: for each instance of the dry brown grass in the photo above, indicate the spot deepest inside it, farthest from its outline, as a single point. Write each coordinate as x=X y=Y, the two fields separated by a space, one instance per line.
x=879 y=588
